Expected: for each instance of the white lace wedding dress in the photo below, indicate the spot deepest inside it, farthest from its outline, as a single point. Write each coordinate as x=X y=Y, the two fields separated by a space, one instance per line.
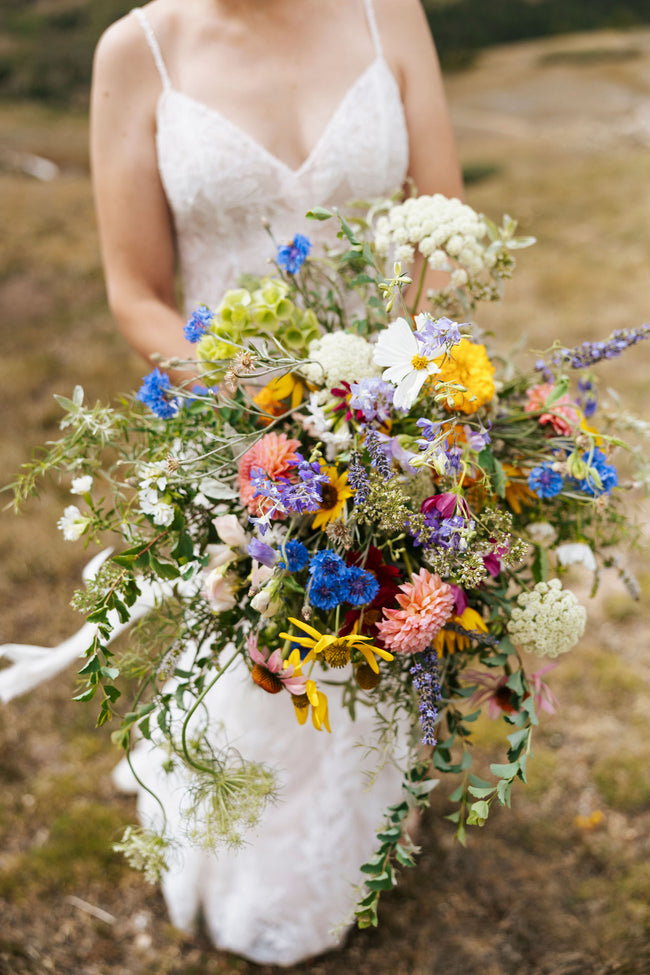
x=279 y=898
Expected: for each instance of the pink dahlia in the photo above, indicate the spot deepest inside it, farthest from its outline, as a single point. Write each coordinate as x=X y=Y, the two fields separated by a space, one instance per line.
x=427 y=603
x=274 y=453
x=562 y=414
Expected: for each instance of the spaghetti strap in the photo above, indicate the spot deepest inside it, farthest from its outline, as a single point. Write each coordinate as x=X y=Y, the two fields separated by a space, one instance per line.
x=154 y=46
x=374 y=30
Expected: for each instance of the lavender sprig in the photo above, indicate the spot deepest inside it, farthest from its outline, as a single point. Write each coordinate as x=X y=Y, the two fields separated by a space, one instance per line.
x=426 y=680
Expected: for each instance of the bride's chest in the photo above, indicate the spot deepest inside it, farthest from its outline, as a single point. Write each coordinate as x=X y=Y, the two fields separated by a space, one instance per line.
x=212 y=166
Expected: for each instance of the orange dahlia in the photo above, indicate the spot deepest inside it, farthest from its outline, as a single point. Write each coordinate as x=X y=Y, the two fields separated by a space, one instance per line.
x=426 y=604
x=274 y=453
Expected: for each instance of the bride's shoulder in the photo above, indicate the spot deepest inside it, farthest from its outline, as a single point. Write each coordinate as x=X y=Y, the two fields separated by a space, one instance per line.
x=122 y=48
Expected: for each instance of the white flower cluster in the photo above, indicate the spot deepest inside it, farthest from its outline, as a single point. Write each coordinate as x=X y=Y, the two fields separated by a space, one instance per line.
x=338 y=357
x=153 y=480
x=547 y=621
x=72 y=523
x=441 y=229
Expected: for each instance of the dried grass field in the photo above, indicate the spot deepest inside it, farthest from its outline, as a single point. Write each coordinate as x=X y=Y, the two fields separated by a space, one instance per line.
x=557 y=133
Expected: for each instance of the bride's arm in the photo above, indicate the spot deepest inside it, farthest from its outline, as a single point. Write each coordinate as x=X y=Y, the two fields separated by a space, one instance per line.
x=433 y=160
x=134 y=222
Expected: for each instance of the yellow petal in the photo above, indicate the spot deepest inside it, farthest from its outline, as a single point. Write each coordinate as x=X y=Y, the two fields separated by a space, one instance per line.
x=370 y=657
x=306 y=627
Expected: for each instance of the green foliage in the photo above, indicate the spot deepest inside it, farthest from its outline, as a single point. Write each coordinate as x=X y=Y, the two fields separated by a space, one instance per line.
x=462 y=28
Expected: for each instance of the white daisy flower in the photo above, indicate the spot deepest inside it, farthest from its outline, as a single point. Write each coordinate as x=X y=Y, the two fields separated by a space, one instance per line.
x=408 y=370
x=81 y=485
x=72 y=523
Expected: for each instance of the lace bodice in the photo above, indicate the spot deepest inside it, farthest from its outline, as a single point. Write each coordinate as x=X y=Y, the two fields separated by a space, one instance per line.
x=220 y=182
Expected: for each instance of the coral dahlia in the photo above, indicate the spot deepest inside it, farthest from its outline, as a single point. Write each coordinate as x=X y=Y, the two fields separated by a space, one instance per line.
x=275 y=454
x=426 y=604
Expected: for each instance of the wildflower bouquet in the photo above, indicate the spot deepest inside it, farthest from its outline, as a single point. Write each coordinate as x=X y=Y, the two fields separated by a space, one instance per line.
x=349 y=489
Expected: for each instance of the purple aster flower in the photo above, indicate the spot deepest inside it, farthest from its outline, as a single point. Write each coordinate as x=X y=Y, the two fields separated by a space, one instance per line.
x=291 y=257
x=436 y=336
x=262 y=552
x=297 y=556
x=373 y=398
x=477 y=439
x=198 y=324
x=426 y=680
x=155 y=393
x=544 y=481
x=358 y=586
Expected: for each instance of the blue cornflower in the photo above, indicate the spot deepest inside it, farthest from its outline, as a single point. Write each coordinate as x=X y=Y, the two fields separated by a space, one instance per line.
x=544 y=481
x=154 y=393
x=291 y=257
x=328 y=564
x=198 y=324
x=325 y=591
x=358 y=586
x=607 y=473
x=297 y=556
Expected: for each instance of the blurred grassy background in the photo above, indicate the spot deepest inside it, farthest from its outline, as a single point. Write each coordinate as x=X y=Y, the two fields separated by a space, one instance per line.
x=557 y=133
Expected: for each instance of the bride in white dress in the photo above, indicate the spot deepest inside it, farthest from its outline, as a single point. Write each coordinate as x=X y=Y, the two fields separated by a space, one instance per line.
x=209 y=116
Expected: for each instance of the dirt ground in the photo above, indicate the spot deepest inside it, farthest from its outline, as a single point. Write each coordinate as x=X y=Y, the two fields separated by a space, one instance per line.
x=556 y=132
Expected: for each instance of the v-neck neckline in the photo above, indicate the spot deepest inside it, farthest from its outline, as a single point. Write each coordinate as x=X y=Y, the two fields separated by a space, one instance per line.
x=259 y=146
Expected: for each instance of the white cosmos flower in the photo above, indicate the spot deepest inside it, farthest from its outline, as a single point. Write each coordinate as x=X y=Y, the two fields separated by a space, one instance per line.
x=408 y=370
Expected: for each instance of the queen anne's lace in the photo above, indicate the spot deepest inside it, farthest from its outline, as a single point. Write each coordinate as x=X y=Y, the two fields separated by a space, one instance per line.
x=340 y=357
x=441 y=229
x=547 y=621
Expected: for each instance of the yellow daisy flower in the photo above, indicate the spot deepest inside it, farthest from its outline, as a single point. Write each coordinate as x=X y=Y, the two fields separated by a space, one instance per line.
x=334 y=494
x=450 y=641
x=333 y=648
x=312 y=698
x=517 y=490
x=468 y=365
x=270 y=397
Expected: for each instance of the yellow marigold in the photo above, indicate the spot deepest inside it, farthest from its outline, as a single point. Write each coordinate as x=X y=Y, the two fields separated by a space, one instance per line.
x=468 y=365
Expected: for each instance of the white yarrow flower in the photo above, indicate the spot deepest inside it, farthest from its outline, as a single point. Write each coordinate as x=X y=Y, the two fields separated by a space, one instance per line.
x=72 y=523
x=408 y=370
x=81 y=485
x=547 y=621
